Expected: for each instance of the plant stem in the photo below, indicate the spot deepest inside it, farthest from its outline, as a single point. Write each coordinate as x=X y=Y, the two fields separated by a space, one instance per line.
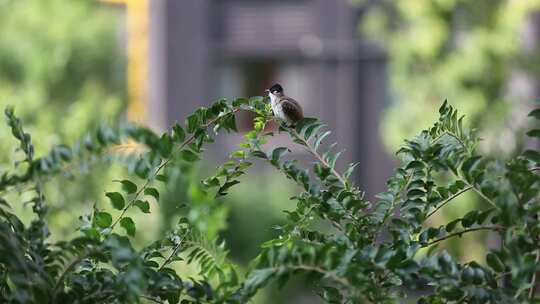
x=173 y=253
x=131 y=202
x=448 y=200
x=163 y=164
x=328 y=274
x=487 y=199
x=457 y=175
x=151 y=299
x=482 y=195
x=502 y=275
x=436 y=139
x=391 y=210
x=314 y=152
x=459 y=233
x=68 y=269
x=343 y=181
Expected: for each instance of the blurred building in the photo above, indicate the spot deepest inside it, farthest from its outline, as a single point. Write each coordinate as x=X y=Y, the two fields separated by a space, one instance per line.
x=201 y=50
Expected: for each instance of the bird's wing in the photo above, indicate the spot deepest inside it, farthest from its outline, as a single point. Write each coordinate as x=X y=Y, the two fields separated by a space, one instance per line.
x=291 y=108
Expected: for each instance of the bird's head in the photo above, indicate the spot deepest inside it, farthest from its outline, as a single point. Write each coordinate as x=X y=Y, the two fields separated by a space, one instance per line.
x=275 y=90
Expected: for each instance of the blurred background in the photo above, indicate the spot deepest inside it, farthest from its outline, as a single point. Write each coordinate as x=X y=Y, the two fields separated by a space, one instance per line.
x=375 y=70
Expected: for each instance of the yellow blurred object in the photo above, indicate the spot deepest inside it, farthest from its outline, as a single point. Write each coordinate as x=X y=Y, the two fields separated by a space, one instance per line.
x=131 y=147
x=137 y=49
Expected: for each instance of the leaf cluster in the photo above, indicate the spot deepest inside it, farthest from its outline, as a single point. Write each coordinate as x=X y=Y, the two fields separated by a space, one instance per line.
x=372 y=252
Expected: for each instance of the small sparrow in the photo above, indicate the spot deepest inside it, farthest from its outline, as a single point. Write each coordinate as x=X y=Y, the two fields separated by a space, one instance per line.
x=285 y=108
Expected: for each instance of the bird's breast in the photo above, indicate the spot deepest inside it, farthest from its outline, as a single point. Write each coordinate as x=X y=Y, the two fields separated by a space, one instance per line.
x=278 y=110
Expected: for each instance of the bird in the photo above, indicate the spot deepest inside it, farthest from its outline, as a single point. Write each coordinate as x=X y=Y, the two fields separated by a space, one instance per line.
x=284 y=107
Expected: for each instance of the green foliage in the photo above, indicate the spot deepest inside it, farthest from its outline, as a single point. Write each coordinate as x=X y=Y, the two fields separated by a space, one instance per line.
x=59 y=57
x=63 y=67
x=374 y=252
x=472 y=52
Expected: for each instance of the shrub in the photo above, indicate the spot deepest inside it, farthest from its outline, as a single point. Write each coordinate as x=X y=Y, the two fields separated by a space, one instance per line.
x=375 y=252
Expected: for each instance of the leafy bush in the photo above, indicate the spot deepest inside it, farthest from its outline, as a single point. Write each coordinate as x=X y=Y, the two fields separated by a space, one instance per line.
x=374 y=252
x=63 y=66
x=60 y=57
x=469 y=51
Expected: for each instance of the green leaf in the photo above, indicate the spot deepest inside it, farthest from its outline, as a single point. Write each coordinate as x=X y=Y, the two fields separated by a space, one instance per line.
x=331 y=295
x=104 y=135
x=482 y=216
x=91 y=233
x=469 y=219
x=189 y=155
x=211 y=182
x=532 y=155
x=470 y=164
x=193 y=122
x=494 y=262
x=222 y=190
x=417 y=165
x=535 y=113
x=88 y=144
x=63 y=152
x=128 y=224
x=415 y=194
x=534 y=133
x=278 y=152
x=258 y=278
x=178 y=133
x=302 y=124
x=117 y=200
x=259 y=126
x=152 y=192
x=4 y=203
x=162 y=178
x=320 y=139
x=321 y=172
x=144 y=206
x=103 y=219
x=244 y=165
x=444 y=108
x=452 y=225
x=229 y=122
x=258 y=154
x=165 y=145
x=460 y=126
x=332 y=158
x=238 y=154
x=313 y=129
x=240 y=101
x=350 y=170
x=128 y=186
